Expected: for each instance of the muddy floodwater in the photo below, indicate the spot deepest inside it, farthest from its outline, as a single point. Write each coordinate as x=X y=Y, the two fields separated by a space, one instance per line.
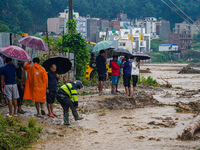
x=129 y=128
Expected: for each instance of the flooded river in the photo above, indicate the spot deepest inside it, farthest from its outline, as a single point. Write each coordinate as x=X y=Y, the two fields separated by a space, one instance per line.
x=149 y=128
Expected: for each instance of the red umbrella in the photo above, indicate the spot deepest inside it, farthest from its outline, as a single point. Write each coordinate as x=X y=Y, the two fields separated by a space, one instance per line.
x=15 y=52
x=34 y=42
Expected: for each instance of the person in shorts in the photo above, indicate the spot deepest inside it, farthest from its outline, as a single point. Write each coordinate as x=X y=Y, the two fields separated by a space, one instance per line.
x=10 y=90
x=115 y=73
x=101 y=69
x=127 y=66
x=51 y=90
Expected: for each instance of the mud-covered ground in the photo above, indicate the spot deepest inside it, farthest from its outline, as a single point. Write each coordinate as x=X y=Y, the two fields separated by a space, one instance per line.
x=116 y=122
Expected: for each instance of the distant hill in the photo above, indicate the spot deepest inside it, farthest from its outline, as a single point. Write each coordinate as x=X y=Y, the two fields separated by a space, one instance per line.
x=31 y=15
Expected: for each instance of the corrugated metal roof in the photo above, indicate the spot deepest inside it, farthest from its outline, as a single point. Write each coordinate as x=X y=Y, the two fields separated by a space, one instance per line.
x=168 y=45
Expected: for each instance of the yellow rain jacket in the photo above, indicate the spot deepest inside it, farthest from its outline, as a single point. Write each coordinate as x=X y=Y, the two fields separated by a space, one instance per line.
x=36 y=83
x=70 y=90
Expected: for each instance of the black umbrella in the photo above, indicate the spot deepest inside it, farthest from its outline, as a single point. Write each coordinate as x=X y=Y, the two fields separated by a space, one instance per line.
x=141 y=56
x=63 y=64
x=120 y=52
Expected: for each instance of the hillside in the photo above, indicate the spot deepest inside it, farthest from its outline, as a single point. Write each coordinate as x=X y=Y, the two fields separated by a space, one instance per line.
x=31 y=15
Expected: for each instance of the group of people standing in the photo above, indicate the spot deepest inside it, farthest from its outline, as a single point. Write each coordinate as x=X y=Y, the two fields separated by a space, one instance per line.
x=39 y=86
x=130 y=70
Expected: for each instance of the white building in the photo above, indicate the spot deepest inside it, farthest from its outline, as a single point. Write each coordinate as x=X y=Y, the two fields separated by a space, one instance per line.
x=135 y=39
x=150 y=27
x=65 y=14
x=168 y=47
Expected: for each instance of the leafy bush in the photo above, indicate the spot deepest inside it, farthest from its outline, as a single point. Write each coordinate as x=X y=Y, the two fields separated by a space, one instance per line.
x=13 y=135
x=75 y=43
x=147 y=81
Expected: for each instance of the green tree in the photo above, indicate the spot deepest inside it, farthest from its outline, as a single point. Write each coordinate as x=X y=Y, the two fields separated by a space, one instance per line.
x=75 y=43
x=3 y=27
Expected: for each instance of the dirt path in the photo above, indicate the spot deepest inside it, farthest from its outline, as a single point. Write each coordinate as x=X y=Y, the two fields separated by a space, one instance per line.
x=150 y=128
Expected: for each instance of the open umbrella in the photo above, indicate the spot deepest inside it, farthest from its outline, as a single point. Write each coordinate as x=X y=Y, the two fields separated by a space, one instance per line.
x=120 y=52
x=15 y=52
x=34 y=42
x=141 y=56
x=107 y=50
x=63 y=64
x=101 y=45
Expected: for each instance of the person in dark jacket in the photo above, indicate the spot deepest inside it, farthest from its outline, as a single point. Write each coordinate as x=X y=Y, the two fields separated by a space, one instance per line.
x=101 y=69
x=21 y=80
x=64 y=95
x=51 y=90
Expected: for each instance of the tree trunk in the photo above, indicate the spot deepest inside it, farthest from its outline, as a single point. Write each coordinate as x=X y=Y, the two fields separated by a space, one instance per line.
x=189 y=131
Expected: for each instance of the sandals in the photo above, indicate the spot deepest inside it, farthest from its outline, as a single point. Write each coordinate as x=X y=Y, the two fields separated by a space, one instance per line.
x=50 y=115
x=55 y=115
x=37 y=115
x=8 y=115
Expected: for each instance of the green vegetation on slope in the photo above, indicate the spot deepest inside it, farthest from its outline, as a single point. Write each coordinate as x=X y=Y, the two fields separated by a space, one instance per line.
x=31 y=15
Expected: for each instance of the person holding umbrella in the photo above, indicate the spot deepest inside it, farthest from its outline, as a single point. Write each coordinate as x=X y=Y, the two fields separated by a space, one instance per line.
x=101 y=69
x=10 y=90
x=36 y=84
x=127 y=74
x=51 y=90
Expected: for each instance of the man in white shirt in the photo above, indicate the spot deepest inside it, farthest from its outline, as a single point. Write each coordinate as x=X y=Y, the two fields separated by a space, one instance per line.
x=135 y=72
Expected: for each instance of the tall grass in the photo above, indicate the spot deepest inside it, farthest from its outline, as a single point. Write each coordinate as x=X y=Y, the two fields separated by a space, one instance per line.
x=14 y=135
x=147 y=81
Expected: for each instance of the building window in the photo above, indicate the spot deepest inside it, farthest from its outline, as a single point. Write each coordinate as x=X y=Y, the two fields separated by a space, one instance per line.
x=122 y=44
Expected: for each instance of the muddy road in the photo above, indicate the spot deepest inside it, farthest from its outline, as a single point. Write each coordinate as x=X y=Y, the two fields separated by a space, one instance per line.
x=118 y=123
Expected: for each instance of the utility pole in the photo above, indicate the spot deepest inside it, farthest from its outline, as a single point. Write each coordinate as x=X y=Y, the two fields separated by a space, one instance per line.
x=70 y=13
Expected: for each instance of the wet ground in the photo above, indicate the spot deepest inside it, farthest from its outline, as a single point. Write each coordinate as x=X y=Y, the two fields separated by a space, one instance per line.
x=117 y=123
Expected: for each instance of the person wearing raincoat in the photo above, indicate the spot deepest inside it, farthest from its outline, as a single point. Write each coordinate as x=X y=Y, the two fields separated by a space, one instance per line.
x=36 y=84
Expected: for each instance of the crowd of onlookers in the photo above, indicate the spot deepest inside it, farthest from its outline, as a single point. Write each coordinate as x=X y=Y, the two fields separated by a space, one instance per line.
x=26 y=81
x=30 y=81
x=130 y=71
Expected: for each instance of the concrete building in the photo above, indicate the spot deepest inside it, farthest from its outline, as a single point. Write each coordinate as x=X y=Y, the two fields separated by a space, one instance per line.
x=184 y=41
x=122 y=17
x=185 y=28
x=115 y=24
x=150 y=26
x=163 y=29
x=104 y=25
x=92 y=29
x=56 y=25
x=168 y=47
